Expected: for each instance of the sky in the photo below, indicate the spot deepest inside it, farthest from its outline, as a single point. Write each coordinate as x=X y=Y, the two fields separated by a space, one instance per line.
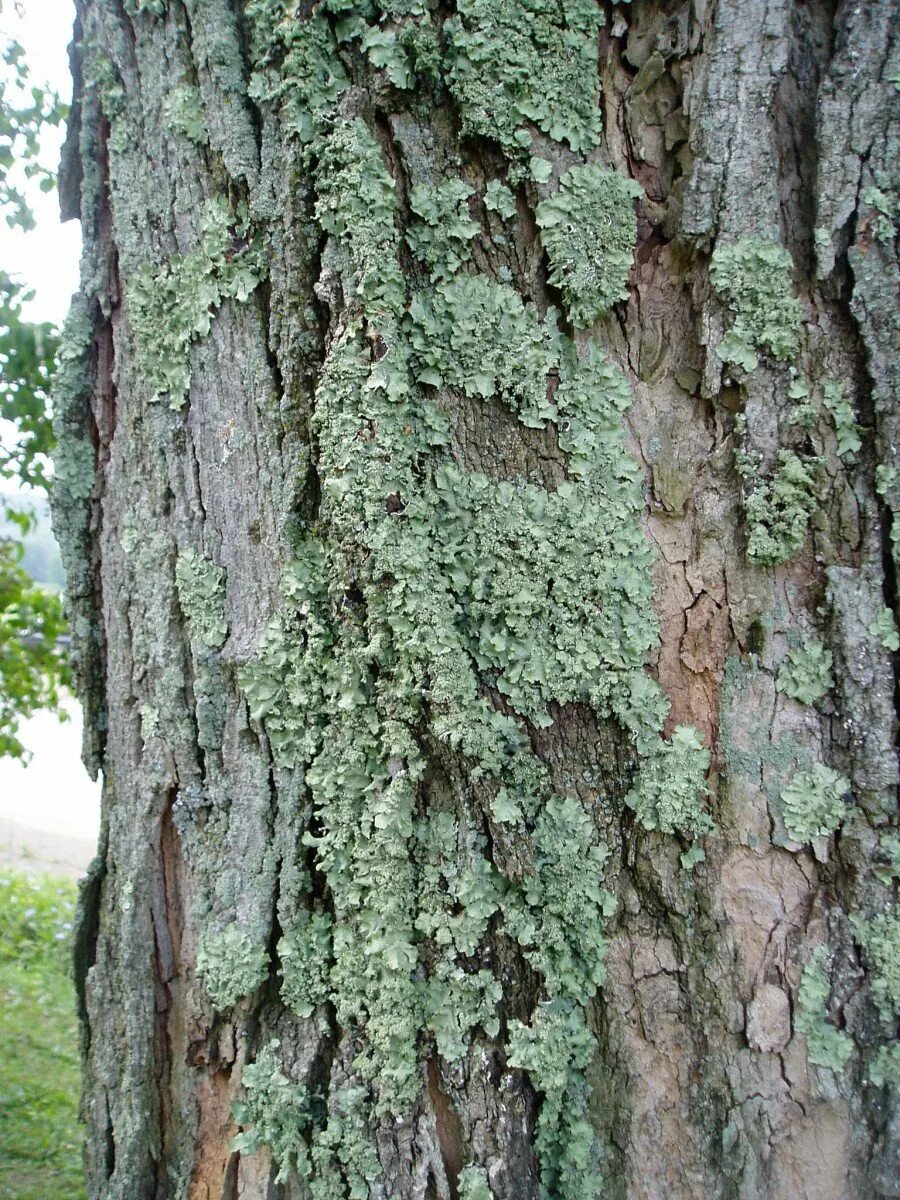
x=47 y=257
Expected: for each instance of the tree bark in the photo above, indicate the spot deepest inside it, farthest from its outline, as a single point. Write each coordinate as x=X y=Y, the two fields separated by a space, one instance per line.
x=438 y=510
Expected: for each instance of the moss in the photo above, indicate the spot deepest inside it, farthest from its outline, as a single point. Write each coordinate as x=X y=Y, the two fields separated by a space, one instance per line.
x=778 y=509
x=667 y=793
x=169 y=307
x=231 y=964
x=201 y=593
x=184 y=109
x=519 y=61
x=845 y=427
x=588 y=230
x=442 y=236
x=813 y=803
x=825 y=1045
x=880 y=937
x=805 y=674
x=884 y=628
x=275 y=1113
x=754 y=276
x=305 y=953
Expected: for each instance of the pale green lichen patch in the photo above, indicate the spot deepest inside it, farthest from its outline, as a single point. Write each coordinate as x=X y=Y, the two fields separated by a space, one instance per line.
x=884 y=628
x=885 y=1069
x=231 y=964
x=813 y=803
x=880 y=936
x=754 y=276
x=588 y=229
x=441 y=237
x=519 y=61
x=805 y=674
x=778 y=509
x=201 y=593
x=845 y=428
x=184 y=109
x=825 y=1045
x=473 y=1184
x=669 y=787
x=275 y=1112
x=306 y=956
x=171 y=306
x=499 y=199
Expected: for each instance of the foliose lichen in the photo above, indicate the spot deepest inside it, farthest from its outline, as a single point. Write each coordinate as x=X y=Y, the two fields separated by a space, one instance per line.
x=779 y=508
x=171 y=306
x=813 y=803
x=884 y=628
x=499 y=199
x=880 y=937
x=588 y=229
x=231 y=964
x=184 y=109
x=845 y=427
x=668 y=792
x=754 y=276
x=442 y=235
x=805 y=674
x=275 y=1112
x=473 y=1184
x=201 y=593
x=825 y=1045
x=885 y=1068
x=305 y=953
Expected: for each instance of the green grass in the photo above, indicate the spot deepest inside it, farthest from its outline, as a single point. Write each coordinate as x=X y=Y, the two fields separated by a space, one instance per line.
x=40 y=1139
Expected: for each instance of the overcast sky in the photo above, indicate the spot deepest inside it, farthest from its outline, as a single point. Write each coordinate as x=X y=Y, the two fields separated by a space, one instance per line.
x=47 y=258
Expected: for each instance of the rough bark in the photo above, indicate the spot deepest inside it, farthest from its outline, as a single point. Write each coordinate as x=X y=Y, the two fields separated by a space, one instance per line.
x=288 y=672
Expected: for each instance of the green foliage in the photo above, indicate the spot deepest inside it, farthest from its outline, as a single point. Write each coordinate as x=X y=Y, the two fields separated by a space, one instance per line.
x=845 y=427
x=499 y=199
x=169 y=307
x=825 y=1045
x=805 y=674
x=184 y=109
x=555 y=1050
x=26 y=369
x=880 y=937
x=754 y=276
x=884 y=627
x=40 y=1138
x=588 y=230
x=306 y=956
x=813 y=803
x=25 y=110
x=201 y=592
x=274 y=1112
x=669 y=787
x=778 y=509
x=231 y=964
x=519 y=61
x=442 y=236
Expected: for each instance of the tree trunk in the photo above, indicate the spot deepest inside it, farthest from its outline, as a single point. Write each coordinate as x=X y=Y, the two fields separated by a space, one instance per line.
x=474 y=478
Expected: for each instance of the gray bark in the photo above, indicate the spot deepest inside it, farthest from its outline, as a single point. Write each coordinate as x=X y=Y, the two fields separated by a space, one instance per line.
x=737 y=120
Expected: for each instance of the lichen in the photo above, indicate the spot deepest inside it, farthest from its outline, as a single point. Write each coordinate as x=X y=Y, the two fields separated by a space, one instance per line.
x=201 y=593
x=884 y=628
x=668 y=790
x=499 y=199
x=845 y=428
x=442 y=236
x=805 y=674
x=472 y=1183
x=588 y=230
x=305 y=954
x=275 y=1112
x=184 y=109
x=231 y=964
x=754 y=276
x=825 y=1045
x=170 y=306
x=885 y=1068
x=519 y=61
x=880 y=937
x=778 y=509
x=813 y=803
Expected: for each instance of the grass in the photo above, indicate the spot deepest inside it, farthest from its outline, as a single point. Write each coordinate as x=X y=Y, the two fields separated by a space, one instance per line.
x=40 y=1139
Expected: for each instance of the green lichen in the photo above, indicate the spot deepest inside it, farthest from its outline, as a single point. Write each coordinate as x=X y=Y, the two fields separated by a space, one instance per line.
x=888 y=868
x=880 y=937
x=845 y=427
x=884 y=628
x=667 y=793
x=885 y=476
x=588 y=229
x=171 y=306
x=754 y=276
x=275 y=1112
x=201 y=593
x=184 y=109
x=156 y=8
x=499 y=199
x=555 y=1051
x=825 y=1045
x=778 y=509
x=805 y=674
x=231 y=964
x=442 y=236
x=885 y=1068
x=813 y=803
x=472 y=1183
x=305 y=954
x=520 y=61
x=344 y=1155
x=887 y=209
